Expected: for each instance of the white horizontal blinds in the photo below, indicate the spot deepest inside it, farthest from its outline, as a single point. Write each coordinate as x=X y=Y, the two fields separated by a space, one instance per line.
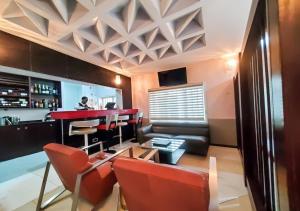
x=181 y=103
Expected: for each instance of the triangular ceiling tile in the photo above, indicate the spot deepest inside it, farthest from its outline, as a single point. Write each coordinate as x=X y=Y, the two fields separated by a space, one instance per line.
x=40 y=22
x=112 y=58
x=26 y=18
x=12 y=11
x=168 y=7
x=165 y=52
x=141 y=59
x=132 y=15
x=194 y=42
x=100 y=55
x=188 y=24
x=154 y=39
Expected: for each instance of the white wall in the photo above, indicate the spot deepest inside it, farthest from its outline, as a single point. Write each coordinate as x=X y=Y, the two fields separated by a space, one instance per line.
x=219 y=91
x=214 y=73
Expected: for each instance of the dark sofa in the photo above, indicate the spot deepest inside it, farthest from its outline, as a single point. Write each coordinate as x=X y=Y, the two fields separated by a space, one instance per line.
x=196 y=135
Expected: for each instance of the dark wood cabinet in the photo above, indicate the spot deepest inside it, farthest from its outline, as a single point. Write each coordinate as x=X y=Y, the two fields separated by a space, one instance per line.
x=25 y=139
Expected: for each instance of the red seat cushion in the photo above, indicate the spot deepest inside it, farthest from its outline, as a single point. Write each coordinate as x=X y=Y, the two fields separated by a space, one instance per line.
x=103 y=126
x=132 y=121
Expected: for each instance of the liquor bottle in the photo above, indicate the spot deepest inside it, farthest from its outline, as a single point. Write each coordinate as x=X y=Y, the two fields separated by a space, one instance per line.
x=39 y=89
x=50 y=104
x=56 y=103
x=31 y=89
x=36 y=89
x=36 y=104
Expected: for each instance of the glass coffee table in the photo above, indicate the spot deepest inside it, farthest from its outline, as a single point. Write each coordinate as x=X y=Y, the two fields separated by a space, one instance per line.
x=168 y=148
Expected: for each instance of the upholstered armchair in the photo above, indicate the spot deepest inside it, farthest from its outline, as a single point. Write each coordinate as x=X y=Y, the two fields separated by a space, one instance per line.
x=150 y=186
x=90 y=178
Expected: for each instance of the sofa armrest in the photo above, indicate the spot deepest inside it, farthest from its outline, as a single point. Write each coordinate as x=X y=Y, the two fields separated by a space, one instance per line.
x=142 y=132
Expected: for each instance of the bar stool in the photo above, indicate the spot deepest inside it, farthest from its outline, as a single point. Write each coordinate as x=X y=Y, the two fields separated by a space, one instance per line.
x=122 y=121
x=136 y=122
x=107 y=130
x=84 y=128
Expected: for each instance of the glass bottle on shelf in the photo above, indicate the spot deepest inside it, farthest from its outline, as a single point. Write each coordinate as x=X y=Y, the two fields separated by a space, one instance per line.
x=39 y=89
x=36 y=89
x=50 y=104
x=56 y=103
x=36 y=104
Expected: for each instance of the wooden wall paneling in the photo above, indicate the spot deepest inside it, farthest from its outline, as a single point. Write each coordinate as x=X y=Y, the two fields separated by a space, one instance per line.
x=284 y=25
x=48 y=61
x=14 y=51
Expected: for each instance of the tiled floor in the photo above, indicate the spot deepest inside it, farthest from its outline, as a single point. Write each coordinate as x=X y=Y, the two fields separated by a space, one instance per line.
x=21 y=193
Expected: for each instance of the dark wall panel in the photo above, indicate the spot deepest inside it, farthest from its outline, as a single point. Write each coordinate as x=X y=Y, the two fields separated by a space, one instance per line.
x=48 y=61
x=14 y=51
x=19 y=53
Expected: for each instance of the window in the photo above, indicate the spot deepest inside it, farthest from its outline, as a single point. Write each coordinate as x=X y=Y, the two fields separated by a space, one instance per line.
x=184 y=103
x=104 y=100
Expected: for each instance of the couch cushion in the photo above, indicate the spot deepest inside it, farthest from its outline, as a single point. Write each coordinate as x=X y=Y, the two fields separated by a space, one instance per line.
x=158 y=135
x=192 y=138
x=196 y=129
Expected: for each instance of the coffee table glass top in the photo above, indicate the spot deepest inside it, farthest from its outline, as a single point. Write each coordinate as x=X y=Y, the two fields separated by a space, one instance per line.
x=173 y=146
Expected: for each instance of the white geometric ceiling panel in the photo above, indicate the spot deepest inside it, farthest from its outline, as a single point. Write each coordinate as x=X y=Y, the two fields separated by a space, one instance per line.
x=129 y=35
x=154 y=38
x=99 y=31
x=168 y=7
x=127 y=49
x=194 y=42
x=188 y=24
x=24 y=17
x=76 y=42
x=132 y=14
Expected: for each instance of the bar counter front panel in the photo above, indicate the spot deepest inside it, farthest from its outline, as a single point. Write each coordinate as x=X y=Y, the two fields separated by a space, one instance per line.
x=30 y=137
x=65 y=117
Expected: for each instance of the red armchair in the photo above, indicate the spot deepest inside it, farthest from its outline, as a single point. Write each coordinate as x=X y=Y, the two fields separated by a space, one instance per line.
x=90 y=179
x=149 y=186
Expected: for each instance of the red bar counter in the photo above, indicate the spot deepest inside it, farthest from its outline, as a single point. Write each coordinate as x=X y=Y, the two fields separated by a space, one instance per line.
x=60 y=115
x=87 y=114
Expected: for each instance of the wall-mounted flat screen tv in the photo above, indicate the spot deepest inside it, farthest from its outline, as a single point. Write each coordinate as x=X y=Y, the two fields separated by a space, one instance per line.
x=172 y=77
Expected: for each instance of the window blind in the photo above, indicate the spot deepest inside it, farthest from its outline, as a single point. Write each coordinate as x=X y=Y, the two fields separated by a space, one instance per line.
x=185 y=103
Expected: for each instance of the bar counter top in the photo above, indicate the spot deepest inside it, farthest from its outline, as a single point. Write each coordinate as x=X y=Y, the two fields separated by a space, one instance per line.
x=61 y=115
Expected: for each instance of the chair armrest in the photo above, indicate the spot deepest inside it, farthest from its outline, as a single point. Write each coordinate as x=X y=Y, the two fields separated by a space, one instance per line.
x=95 y=165
x=213 y=184
x=101 y=162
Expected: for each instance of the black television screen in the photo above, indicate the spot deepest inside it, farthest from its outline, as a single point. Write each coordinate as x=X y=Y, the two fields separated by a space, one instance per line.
x=172 y=77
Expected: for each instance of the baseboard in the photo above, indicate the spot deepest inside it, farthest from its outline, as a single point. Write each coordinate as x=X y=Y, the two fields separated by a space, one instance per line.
x=223 y=145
